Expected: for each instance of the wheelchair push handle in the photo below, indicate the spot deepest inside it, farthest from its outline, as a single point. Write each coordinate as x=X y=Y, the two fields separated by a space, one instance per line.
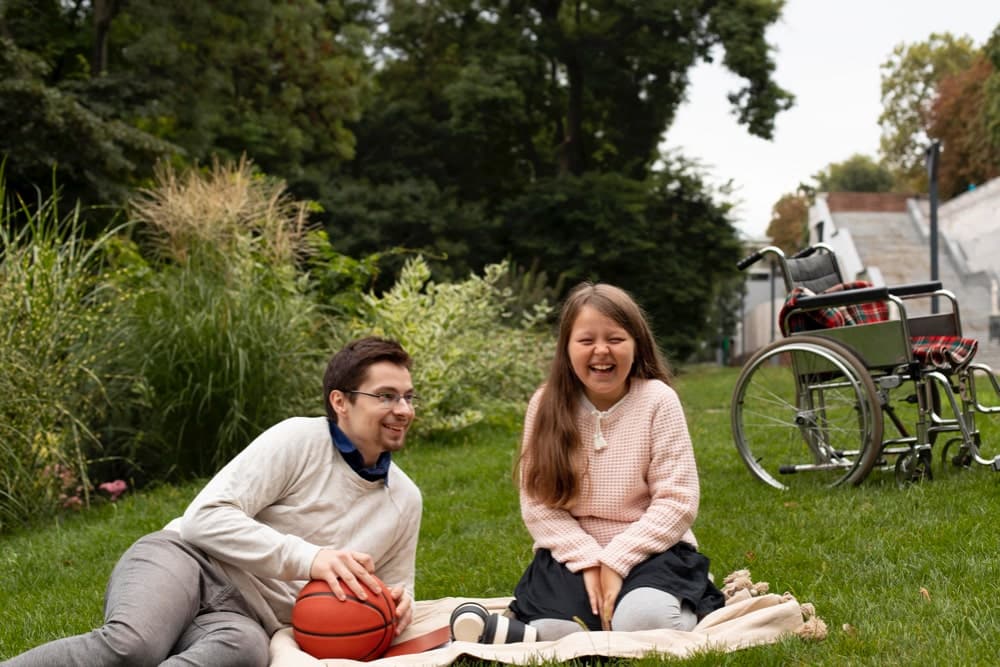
x=759 y=255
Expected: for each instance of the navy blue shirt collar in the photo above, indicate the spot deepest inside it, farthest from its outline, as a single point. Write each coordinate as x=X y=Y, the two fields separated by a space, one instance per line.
x=343 y=444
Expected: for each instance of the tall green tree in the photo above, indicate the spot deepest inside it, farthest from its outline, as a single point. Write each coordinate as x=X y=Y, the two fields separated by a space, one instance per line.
x=275 y=80
x=910 y=78
x=56 y=123
x=858 y=173
x=970 y=155
x=531 y=129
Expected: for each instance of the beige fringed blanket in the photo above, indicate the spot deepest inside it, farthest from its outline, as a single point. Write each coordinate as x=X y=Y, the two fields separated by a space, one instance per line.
x=751 y=617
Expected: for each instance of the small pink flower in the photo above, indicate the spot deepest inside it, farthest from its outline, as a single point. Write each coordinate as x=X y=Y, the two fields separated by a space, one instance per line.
x=71 y=502
x=114 y=489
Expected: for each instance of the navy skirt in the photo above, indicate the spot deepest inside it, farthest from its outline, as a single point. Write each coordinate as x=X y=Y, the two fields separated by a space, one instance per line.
x=547 y=589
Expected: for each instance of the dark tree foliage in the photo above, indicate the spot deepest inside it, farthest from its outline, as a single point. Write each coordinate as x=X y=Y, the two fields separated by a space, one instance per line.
x=99 y=90
x=858 y=173
x=531 y=129
x=471 y=131
x=56 y=124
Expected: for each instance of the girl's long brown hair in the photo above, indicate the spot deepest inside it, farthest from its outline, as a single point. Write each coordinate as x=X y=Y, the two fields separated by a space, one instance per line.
x=552 y=473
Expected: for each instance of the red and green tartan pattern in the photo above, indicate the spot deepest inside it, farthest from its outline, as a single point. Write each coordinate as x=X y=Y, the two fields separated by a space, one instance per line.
x=944 y=351
x=934 y=351
x=834 y=316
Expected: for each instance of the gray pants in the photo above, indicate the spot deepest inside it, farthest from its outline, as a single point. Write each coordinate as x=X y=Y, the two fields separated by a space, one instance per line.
x=640 y=609
x=166 y=604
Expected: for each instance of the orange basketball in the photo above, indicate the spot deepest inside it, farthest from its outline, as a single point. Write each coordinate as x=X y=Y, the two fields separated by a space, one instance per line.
x=354 y=629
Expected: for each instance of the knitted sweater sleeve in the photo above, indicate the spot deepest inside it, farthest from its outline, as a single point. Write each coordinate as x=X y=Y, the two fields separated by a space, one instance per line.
x=551 y=528
x=674 y=488
x=220 y=520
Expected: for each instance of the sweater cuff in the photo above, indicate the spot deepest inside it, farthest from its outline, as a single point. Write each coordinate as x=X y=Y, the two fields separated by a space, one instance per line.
x=305 y=555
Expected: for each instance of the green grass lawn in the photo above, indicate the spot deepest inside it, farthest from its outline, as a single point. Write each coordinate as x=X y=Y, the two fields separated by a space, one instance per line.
x=901 y=576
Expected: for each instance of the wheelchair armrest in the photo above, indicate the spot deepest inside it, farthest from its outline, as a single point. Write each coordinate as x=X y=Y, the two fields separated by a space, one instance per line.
x=843 y=298
x=911 y=289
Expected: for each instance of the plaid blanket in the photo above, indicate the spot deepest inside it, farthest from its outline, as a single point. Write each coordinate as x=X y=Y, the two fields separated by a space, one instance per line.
x=940 y=352
x=834 y=316
x=944 y=351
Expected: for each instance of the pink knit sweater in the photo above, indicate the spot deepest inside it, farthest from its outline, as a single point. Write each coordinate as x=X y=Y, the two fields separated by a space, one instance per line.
x=640 y=493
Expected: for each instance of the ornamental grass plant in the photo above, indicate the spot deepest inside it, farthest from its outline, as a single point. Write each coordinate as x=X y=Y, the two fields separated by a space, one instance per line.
x=222 y=339
x=56 y=335
x=900 y=576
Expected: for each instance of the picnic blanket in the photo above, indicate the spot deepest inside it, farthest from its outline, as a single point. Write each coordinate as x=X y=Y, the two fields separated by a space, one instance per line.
x=940 y=352
x=751 y=617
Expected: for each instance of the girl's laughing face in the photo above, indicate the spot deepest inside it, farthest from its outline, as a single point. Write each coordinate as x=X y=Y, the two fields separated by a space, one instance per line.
x=601 y=353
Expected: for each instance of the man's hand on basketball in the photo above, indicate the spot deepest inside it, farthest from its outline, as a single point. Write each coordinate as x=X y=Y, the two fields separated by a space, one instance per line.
x=348 y=567
x=404 y=607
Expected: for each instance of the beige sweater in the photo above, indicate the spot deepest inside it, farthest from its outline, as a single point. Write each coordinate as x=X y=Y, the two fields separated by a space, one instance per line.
x=641 y=491
x=267 y=513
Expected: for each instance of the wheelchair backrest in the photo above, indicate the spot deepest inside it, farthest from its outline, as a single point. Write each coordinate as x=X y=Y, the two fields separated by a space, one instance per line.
x=816 y=272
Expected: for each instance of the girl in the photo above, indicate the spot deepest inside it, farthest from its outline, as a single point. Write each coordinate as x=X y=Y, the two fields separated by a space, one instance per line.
x=608 y=482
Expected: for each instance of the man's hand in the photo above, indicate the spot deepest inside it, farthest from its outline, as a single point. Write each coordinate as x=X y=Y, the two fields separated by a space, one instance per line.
x=404 y=608
x=350 y=567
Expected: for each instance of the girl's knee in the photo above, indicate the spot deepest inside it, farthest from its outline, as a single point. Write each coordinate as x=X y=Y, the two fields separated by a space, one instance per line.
x=652 y=609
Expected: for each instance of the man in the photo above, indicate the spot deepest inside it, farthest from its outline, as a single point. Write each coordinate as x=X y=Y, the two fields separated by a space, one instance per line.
x=310 y=498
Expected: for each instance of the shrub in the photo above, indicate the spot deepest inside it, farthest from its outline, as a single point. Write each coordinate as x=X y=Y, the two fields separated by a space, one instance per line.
x=53 y=321
x=472 y=360
x=221 y=337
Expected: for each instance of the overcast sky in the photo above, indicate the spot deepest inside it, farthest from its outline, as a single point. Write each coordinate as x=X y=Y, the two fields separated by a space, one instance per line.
x=828 y=55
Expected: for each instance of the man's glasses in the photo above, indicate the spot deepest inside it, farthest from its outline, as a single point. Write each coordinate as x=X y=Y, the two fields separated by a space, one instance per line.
x=389 y=399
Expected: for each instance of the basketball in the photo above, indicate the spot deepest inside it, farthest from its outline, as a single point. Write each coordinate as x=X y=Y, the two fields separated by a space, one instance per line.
x=355 y=629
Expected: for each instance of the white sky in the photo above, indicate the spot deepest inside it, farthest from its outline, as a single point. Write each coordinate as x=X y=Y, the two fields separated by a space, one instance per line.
x=828 y=54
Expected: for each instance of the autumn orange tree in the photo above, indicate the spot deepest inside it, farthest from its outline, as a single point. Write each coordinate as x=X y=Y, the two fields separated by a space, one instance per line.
x=958 y=120
x=944 y=89
x=789 y=219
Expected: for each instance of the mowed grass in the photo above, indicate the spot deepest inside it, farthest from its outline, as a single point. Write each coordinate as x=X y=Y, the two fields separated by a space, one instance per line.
x=900 y=576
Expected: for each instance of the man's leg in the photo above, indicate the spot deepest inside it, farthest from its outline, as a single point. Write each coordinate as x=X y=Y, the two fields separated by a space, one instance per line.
x=221 y=639
x=153 y=594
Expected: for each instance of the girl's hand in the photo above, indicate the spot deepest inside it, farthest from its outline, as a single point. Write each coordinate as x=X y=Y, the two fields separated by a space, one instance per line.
x=592 y=582
x=611 y=586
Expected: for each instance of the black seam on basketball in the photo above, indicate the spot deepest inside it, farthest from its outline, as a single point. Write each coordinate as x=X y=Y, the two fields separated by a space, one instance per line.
x=319 y=594
x=353 y=633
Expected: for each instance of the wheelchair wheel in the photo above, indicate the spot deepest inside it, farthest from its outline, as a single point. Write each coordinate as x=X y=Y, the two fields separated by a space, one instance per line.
x=955 y=456
x=913 y=467
x=805 y=411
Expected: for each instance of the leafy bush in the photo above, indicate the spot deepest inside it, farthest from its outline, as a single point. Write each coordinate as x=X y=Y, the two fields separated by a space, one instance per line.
x=222 y=338
x=471 y=358
x=52 y=324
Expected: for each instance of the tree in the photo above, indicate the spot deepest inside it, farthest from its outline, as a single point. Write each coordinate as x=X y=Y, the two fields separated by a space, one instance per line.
x=532 y=128
x=909 y=84
x=959 y=119
x=664 y=239
x=52 y=133
x=275 y=80
x=858 y=173
x=789 y=222
x=992 y=101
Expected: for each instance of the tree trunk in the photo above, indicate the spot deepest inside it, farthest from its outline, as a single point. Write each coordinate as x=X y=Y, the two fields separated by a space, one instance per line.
x=104 y=13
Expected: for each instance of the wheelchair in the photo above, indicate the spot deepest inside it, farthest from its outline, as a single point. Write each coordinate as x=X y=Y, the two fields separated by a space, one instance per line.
x=856 y=384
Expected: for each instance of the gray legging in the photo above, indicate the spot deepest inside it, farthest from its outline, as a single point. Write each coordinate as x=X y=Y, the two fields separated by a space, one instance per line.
x=640 y=609
x=166 y=604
